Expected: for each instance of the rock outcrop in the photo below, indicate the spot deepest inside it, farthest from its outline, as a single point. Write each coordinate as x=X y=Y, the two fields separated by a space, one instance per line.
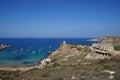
x=2 y=46
x=72 y=55
x=114 y=40
x=69 y=54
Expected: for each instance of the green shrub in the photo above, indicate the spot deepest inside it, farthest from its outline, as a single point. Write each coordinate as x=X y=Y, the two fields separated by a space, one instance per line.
x=106 y=67
x=117 y=48
x=56 y=64
x=46 y=74
x=60 y=78
x=81 y=78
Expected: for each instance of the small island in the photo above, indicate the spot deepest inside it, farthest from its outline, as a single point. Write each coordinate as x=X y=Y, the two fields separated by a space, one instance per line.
x=2 y=47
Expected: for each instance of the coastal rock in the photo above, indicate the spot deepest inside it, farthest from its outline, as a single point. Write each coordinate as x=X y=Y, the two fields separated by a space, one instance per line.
x=69 y=54
x=114 y=40
x=2 y=46
x=95 y=40
x=44 y=62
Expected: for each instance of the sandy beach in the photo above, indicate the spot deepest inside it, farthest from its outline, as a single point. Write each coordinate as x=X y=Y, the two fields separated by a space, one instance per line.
x=18 y=68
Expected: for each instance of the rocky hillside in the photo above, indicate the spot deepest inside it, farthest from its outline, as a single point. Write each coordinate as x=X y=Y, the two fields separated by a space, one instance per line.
x=115 y=40
x=70 y=54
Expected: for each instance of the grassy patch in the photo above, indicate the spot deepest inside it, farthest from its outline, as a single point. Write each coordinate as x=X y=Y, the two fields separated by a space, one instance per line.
x=115 y=59
x=117 y=48
x=102 y=61
x=81 y=78
x=56 y=64
x=46 y=74
x=106 y=67
x=60 y=78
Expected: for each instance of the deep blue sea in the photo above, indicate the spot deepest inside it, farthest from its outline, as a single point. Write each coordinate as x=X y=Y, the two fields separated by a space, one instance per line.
x=29 y=51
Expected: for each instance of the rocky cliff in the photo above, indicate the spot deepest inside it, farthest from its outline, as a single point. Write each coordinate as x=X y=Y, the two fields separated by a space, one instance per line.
x=70 y=54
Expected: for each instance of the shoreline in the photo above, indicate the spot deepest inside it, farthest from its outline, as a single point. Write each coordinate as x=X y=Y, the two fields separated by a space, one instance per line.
x=18 y=68
x=24 y=68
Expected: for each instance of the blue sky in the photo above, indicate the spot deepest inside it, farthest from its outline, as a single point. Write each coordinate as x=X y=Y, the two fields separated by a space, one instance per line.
x=59 y=18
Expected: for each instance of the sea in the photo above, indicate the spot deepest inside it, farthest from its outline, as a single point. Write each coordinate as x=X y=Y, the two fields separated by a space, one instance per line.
x=25 y=52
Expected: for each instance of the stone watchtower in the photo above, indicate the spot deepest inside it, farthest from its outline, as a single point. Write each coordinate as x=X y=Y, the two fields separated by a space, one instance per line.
x=63 y=45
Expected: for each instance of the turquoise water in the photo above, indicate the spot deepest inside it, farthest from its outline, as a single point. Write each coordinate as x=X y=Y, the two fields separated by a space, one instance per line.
x=29 y=51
